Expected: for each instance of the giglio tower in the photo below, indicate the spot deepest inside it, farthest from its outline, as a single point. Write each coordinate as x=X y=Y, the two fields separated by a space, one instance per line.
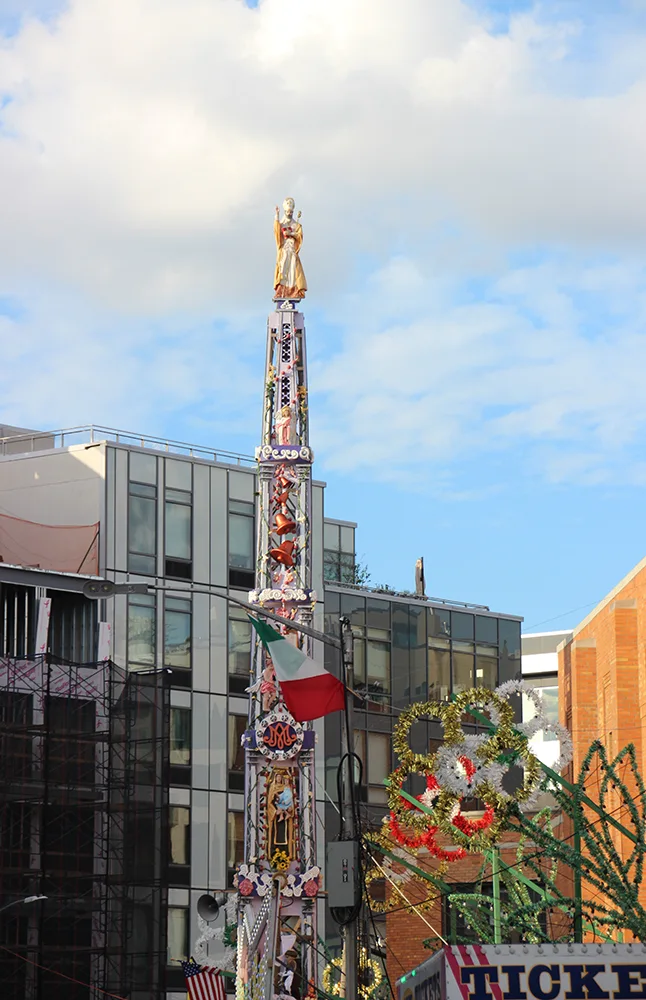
x=279 y=881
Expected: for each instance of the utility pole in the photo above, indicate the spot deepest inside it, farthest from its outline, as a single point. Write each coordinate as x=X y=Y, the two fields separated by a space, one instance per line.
x=351 y=929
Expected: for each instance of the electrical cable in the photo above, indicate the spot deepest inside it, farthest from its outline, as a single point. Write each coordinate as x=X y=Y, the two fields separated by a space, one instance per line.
x=357 y=819
x=45 y=968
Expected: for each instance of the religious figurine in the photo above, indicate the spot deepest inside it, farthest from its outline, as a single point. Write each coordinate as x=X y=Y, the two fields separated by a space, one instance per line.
x=281 y=813
x=289 y=277
x=285 y=429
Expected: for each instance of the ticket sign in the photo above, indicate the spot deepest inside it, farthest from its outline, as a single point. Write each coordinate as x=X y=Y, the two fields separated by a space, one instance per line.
x=530 y=972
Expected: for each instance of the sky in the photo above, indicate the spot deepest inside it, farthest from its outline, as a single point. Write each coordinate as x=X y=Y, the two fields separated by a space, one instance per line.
x=471 y=178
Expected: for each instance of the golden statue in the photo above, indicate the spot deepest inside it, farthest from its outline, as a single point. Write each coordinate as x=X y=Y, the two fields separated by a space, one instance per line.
x=289 y=277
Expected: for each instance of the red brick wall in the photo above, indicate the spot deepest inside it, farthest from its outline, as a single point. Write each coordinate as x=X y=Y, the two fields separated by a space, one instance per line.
x=602 y=683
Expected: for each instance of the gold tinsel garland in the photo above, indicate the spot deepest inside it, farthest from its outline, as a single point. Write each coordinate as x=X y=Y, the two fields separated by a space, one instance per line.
x=505 y=740
x=364 y=992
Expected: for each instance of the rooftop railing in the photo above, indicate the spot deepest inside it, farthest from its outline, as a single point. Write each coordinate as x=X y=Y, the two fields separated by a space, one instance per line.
x=94 y=433
x=405 y=595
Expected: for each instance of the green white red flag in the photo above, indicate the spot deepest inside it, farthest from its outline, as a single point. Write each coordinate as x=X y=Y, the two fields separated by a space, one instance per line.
x=308 y=689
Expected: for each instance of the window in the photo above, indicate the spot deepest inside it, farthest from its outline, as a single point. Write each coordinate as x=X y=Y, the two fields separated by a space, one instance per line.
x=237 y=726
x=239 y=651
x=486 y=667
x=338 y=553
x=439 y=622
x=72 y=627
x=178 y=543
x=180 y=818
x=180 y=736
x=142 y=528
x=462 y=666
x=177 y=633
x=509 y=642
x=177 y=935
x=486 y=629
x=378 y=674
x=378 y=766
x=439 y=669
x=235 y=841
x=461 y=625
x=141 y=630
x=241 y=544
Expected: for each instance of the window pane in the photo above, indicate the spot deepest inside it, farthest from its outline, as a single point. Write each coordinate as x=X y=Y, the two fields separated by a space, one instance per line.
x=241 y=507
x=360 y=663
x=141 y=525
x=141 y=633
x=347 y=540
x=378 y=671
x=179 y=834
x=143 y=468
x=346 y=568
x=509 y=642
x=462 y=671
x=237 y=726
x=439 y=622
x=360 y=750
x=486 y=670
x=178 y=531
x=241 y=541
x=378 y=613
x=177 y=639
x=378 y=758
x=235 y=839
x=331 y=536
x=331 y=566
x=239 y=647
x=180 y=736
x=177 y=935
x=461 y=625
x=439 y=671
x=145 y=565
x=178 y=474
x=486 y=629
x=354 y=607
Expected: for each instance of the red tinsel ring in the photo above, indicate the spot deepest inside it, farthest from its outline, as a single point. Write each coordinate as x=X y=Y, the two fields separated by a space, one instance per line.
x=427 y=839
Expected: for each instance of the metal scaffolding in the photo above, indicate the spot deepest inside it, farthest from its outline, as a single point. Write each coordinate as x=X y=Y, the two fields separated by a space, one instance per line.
x=83 y=821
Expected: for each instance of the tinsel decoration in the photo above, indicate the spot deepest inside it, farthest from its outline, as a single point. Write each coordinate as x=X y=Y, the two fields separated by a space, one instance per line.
x=466 y=765
x=333 y=977
x=224 y=936
x=401 y=877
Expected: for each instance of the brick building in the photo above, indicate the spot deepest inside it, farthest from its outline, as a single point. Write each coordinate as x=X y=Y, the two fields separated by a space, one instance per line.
x=602 y=682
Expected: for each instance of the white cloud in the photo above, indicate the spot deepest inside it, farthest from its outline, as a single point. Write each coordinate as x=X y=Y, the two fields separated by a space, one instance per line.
x=145 y=142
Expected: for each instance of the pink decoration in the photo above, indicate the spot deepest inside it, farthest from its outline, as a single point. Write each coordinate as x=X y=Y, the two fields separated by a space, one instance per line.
x=246 y=887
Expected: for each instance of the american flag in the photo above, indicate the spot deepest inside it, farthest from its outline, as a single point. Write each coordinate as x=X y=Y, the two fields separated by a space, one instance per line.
x=203 y=983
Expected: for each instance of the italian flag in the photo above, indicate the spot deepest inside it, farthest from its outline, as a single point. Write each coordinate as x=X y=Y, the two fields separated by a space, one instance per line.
x=309 y=690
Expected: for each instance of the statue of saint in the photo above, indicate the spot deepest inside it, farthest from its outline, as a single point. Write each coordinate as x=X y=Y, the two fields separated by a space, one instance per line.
x=289 y=277
x=281 y=813
x=285 y=429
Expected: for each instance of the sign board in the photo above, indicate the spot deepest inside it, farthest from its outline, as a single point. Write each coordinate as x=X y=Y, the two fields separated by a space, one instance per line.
x=530 y=972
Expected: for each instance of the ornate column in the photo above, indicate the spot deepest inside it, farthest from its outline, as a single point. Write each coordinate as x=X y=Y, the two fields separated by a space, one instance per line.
x=279 y=881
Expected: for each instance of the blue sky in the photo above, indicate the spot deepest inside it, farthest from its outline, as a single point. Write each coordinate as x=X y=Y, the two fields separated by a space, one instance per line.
x=471 y=181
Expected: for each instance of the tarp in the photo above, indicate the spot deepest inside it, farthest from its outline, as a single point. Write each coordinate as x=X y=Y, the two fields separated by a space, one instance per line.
x=68 y=548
